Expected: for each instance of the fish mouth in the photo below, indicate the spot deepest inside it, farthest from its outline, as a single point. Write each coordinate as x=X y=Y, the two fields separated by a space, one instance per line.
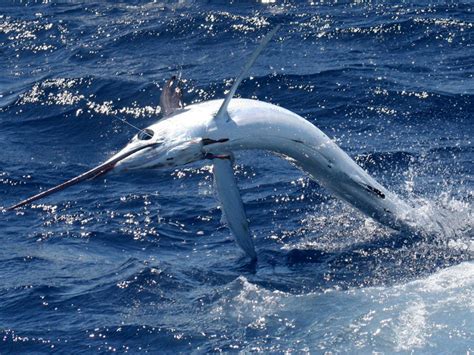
x=93 y=173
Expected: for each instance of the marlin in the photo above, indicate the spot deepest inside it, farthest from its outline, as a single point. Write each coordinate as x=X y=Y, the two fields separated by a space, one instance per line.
x=214 y=130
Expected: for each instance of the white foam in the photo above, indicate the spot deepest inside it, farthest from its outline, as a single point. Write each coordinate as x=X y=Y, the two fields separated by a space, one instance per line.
x=430 y=313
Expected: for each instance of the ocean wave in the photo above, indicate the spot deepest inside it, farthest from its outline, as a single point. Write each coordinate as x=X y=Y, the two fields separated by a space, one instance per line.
x=141 y=262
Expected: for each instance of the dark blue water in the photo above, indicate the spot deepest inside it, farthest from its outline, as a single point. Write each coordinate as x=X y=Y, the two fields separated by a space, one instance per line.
x=140 y=262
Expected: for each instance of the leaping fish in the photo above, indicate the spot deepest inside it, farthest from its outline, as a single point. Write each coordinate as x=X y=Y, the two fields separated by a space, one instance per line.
x=214 y=130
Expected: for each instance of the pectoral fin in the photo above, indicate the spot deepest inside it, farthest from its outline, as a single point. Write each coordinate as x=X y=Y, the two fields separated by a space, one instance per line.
x=232 y=205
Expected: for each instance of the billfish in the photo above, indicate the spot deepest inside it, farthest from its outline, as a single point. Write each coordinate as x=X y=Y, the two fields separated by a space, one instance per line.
x=214 y=130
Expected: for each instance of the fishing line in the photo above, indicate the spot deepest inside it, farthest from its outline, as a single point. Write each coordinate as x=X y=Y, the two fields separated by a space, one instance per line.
x=180 y=74
x=133 y=126
x=181 y=65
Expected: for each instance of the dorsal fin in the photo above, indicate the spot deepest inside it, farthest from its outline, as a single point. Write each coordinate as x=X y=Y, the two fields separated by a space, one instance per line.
x=222 y=113
x=171 y=96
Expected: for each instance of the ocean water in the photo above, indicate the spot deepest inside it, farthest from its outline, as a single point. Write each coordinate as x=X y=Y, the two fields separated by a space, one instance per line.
x=141 y=262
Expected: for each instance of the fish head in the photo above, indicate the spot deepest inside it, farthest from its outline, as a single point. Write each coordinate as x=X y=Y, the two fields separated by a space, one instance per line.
x=159 y=146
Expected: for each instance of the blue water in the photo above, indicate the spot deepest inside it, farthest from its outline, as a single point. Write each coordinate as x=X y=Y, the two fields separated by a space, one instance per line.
x=141 y=263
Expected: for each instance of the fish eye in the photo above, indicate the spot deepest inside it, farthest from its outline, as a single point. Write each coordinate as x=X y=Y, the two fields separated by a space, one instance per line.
x=145 y=134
